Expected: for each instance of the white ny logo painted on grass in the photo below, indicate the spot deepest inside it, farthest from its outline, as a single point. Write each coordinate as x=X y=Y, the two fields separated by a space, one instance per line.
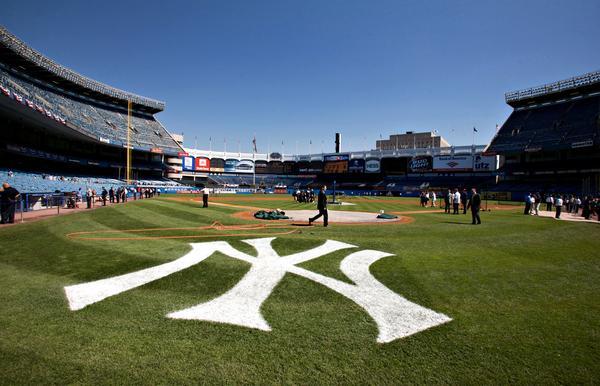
x=396 y=317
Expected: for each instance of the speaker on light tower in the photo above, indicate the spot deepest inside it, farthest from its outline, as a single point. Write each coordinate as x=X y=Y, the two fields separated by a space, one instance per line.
x=338 y=142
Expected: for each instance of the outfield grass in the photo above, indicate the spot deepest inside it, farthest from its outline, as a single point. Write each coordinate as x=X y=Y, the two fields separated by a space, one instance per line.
x=523 y=293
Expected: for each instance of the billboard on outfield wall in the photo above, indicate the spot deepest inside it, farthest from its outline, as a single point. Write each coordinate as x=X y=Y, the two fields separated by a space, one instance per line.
x=372 y=165
x=231 y=165
x=486 y=163
x=245 y=166
x=202 y=164
x=356 y=165
x=450 y=163
x=217 y=165
x=187 y=163
x=335 y=167
x=260 y=167
x=420 y=164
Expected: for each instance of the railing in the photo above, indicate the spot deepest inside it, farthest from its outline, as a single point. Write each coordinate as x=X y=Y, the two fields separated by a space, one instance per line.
x=577 y=81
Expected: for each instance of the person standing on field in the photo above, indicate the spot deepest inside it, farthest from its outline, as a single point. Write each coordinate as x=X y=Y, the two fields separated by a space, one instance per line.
x=205 y=193
x=456 y=201
x=475 y=205
x=558 y=203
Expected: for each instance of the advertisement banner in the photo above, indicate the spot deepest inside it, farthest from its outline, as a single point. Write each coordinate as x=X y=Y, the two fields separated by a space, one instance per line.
x=449 y=163
x=187 y=163
x=335 y=167
x=337 y=157
x=485 y=163
x=202 y=164
x=420 y=164
x=245 y=166
x=356 y=166
x=372 y=165
x=231 y=165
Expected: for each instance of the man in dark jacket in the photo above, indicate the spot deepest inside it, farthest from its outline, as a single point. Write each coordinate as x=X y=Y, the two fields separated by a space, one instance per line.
x=8 y=201
x=475 y=204
x=463 y=200
x=321 y=206
x=104 y=194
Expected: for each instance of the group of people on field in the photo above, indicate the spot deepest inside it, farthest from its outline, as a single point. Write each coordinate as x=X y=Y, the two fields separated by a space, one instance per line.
x=455 y=202
x=586 y=206
x=112 y=195
x=307 y=195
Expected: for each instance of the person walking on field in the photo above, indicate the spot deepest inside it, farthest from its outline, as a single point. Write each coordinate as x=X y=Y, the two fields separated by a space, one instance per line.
x=475 y=205
x=205 y=193
x=322 y=207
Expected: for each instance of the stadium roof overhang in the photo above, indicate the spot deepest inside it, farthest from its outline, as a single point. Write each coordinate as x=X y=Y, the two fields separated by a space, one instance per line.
x=30 y=62
x=578 y=86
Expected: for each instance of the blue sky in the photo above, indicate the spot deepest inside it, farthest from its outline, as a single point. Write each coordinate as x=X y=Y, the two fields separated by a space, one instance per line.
x=296 y=71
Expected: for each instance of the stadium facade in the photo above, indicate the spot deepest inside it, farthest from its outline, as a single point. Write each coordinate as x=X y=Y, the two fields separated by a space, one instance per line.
x=57 y=121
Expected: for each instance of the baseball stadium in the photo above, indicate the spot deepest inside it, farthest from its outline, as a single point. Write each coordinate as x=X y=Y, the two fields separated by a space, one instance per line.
x=131 y=257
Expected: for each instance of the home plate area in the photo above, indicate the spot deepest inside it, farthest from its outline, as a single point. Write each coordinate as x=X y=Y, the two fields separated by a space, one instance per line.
x=339 y=216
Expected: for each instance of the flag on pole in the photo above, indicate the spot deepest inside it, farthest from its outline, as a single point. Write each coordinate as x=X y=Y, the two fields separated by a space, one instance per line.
x=254 y=144
x=474 y=129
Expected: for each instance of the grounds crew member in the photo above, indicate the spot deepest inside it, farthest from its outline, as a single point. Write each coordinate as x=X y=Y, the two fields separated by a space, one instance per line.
x=205 y=192
x=322 y=207
x=8 y=200
x=475 y=205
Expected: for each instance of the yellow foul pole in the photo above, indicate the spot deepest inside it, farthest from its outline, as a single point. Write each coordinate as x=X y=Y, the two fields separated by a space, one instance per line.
x=128 y=169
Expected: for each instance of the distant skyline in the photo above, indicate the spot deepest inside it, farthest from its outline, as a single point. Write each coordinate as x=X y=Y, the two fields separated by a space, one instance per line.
x=300 y=71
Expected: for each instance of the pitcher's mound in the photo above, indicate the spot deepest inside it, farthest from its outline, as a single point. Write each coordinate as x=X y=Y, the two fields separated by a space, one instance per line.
x=339 y=216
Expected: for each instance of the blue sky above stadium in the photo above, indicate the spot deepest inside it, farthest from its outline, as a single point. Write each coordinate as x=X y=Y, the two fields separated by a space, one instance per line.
x=296 y=71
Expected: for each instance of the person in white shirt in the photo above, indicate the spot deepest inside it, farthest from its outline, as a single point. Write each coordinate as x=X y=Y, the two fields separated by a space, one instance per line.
x=433 y=199
x=455 y=201
x=558 y=203
x=533 y=205
x=205 y=193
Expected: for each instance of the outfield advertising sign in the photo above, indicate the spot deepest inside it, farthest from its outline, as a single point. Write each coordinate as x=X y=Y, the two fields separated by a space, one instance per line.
x=231 y=165
x=420 y=164
x=485 y=163
x=372 y=165
x=450 y=163
x=245 y=166
x=202 y=164
x=356 y=165
x=187 y=163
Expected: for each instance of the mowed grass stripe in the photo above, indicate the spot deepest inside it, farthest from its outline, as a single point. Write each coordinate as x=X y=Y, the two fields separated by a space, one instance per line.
x=522 y=291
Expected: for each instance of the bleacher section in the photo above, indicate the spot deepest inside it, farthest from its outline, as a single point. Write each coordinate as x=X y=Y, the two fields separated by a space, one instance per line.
x=26 y=182
x=30 y=182
x=102 y=122
x=555 y=126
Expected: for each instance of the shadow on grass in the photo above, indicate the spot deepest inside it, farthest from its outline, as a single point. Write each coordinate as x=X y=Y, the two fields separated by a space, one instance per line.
x=456 y=223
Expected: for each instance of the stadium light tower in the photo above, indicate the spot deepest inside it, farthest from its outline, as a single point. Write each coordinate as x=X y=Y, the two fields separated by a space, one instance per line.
x=128 y=168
